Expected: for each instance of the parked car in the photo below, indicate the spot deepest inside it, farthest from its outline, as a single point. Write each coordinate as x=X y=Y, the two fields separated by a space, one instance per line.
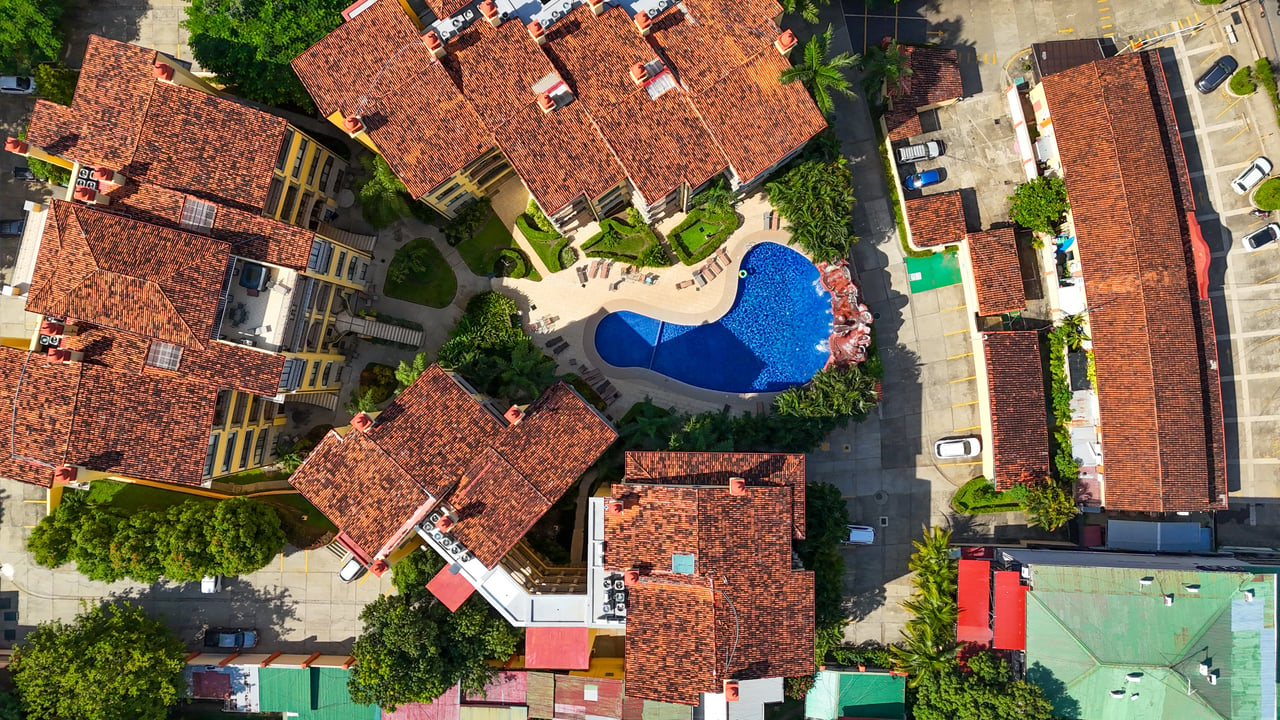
x=920 y=151
x=17 y=85
x=1217 y=74
x=923 y=179
x=1261 y=238
x=24 y=174
x=1257 y=171
x=352 y=569
x=210 y=584
x=859 y=535
x=10 y=228
x=230 y=638
x=953 y=448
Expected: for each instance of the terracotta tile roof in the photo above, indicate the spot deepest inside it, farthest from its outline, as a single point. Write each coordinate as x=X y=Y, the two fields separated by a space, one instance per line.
x=713 y=38
x=935 y=78
x=158 y=132
x=1019 y=415
x=447 y=8
x=495 y=68
x=436 y=442
x=1157 y=426
x=413 y=113
x=652 y=137
x=997 y=276
x=742 y=614
x=936 y=220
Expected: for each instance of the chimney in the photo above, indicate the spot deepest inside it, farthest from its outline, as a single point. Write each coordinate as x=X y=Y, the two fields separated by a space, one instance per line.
x=614 y=506
x=631 y=577
x=352 y=125
x=64 y=475
x=597 y=6
x=64 y=356
x=362 y=422
x=731 y=690
x=434 y=44
x=536 y=32
x=163 y=72
x=89 y=196
x=546 y=103
x=490 y=12
x=109 y=177
x=444 y=523
x=785 y=42
x=639 y=74
x=16 y=146
x=642 y=23
x=513 y=415
x=737 y=486
x=379 y=567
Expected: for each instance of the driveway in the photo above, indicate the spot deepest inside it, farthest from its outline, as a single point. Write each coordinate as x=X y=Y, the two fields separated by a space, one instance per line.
x=297 y=601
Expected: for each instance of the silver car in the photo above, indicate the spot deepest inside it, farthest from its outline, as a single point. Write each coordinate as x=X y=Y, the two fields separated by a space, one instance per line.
x=16 y=85
x=1257 y=171
x=352 y=569
x=859 y=535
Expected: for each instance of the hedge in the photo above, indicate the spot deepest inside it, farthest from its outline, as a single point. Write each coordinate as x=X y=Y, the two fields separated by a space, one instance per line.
x=979 y=496
x=520 y=265
x=728 y=221
x=632 y=244
x=552 y=247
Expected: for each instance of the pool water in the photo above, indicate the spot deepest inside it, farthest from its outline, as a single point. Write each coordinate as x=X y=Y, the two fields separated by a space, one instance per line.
x=774 y=336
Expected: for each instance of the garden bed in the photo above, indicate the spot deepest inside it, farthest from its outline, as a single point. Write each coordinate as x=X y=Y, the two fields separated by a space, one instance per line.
x=979 y=497
x=552 y=247
x=483 y=250
x=428 y=280
x=634 y=244
x=701 y=232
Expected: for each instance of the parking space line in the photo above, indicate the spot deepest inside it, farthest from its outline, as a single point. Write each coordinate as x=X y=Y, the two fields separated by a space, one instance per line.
x=1206 y=59
x=1110 y=34
x=1067 y=30
x=1264 y=282
x=1264 y=311
x=1227 y=109
x=1242 y=131
x=34 y=502
x=965 y=404
x=960 y=464
x=953 y=308
x=961 y=355
x=306 y=561
x=955 y=332
x=967 y=429
x=963 y=379
x=1105 y=17
x=366 y=577
x=1104 y=27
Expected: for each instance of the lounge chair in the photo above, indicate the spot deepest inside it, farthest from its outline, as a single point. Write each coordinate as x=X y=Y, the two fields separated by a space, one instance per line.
x=716 y=262
x=699 y=279
x=582 y=274
x=614 y=285
x=595 y=269
x=683 y=284
x=720 y=251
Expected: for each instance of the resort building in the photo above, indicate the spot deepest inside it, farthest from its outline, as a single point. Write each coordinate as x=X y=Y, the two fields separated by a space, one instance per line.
x=1149 y=432
x=594 y=105
x=1110 y=634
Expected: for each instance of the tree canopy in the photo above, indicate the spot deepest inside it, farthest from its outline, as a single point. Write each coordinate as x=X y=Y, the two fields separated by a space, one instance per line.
x=112 y=662
x=248 y=44
x=816 y=197
x=29 y=34
x=888 y=69
x=983 y=688
x=1040 y=204
x=413 y=648
x=821 y=72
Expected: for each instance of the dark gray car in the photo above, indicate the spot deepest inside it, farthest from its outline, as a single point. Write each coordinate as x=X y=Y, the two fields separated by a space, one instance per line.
x=1216 y=74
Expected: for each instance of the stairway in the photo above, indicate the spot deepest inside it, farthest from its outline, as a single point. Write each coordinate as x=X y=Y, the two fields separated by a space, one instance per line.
x=369 y=327
x=327 y=400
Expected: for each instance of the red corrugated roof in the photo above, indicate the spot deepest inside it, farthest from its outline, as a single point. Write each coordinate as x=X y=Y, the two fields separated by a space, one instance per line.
x=557 y=648
x=974 y=600
x=1011 y=612
x=452 y=589
x=211 y=684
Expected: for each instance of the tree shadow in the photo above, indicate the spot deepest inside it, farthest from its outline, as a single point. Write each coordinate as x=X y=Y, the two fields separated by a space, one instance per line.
x=1055 y=690
x=114 y=19
x=858 y=607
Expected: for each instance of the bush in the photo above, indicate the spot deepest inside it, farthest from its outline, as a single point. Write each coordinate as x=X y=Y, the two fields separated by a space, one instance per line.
x=568 y=256
x=379 y=380
x=512 y=263
x=626 y=243
x=1268 y=195
x=550 y=245
x=691 y=244
x=834 y=392
x=816 y=196
x=798 y=687
x=979 y=496
x=1242 y=82
x=468 y=221
x=1264 y=74
x=383 y=198
x=1040 y=205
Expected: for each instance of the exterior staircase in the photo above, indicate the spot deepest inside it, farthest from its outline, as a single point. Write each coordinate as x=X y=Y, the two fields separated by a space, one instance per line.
x=370 y=327
x=326 y=400
x=358 y=241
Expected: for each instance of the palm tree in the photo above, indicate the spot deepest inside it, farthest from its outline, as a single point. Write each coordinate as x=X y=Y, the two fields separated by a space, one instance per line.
x=526 y=373
x=888 y=68
x=820 y=74
x=924 y=654
x=806 y=9
x=717 y=198
x=932 y=563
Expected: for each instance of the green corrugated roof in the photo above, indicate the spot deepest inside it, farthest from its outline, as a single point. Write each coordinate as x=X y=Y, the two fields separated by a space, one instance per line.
x=856 y=694
x=1089 y=627
x=313 y=693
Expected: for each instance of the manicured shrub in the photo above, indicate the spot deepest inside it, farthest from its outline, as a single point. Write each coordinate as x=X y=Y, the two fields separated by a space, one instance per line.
x=511 y=263
x=1242 y=82
x=1267 y=196
x=470 y=218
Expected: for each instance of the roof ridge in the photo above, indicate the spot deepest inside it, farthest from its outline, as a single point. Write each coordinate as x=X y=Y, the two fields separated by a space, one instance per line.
x=1060 y=623
x=142 y=122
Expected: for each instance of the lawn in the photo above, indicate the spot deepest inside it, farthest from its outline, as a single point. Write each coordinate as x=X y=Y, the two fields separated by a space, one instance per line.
x=250 y=477
x=482 y=250
x=303 y=524
x=552 y=247
x=128 y=497
x=979 y=497
x=699 y=234
x=434 y=285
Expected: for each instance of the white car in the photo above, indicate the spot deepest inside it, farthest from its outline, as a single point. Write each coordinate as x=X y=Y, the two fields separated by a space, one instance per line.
x=953 y=448
x=210 y=584
x=14 y=85
x=1262 y=237
x=352 y=569
x=858 y=535
x=1257 y=171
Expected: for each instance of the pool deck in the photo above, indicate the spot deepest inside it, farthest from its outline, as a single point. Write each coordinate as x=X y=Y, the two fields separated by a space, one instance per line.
x=581 y=307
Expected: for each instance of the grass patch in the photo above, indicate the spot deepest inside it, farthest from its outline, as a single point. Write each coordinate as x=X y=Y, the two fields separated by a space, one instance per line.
x=979 y=496
x=1242 y=82
x=895 y=201
x=1265 y=76
x=552 y=247
x=129 y=497
x=426 y=278
x=482 y=251
x=701 y=232
x=635 y=244
x=1268 y=195
x=303 y=524
x=251 y=477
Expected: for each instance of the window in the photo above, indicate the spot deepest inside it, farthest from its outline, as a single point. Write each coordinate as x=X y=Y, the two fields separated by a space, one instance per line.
x=269 y=412
x=351 y=268
x=324 y=174
x=260 y=448
x=229 y=454
x=321 y=256
x=220 y=408
x=297 y=161
x=320 y=300
x=164 y=356
x=246 y=448
x=342 y=260
x=337 y=181
x=273 y=197
x=315 y=373
x=237 y=415
x=291 y=377
x=255 y=409
x=328 y=372
x=284 y=149
x=197 y=215
x=210 y=454
x=287 y=209
x=304 y=204
x=311 y=172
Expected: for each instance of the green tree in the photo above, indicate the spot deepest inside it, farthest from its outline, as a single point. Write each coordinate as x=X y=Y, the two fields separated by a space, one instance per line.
x=832 y=392
x=245 y=535
x=412 y=573
x=112 y=662
x=716 y=197
x=362 y=401
x=1040 y=205
x=984 y=688
x=383 y=198
x=821 y=73
x=928 y=642
x=29 y=34
x=704 y=432
x=816 y=197
x=249 y=44
x=525 y=373
x=44 y=170
x=888 y=70
x=186 y=553
x=11 y=707
x=56 y=83
x=807 y=9
x=51 y=541
x=1049 y=504
x=408 y=373
x=91 y=544
x=134 y=552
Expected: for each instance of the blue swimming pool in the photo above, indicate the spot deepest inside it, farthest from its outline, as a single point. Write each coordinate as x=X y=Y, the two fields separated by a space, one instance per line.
x=774 y=336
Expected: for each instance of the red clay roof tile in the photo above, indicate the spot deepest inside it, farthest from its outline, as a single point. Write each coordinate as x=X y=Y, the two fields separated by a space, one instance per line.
x=1019 y=416
x=935 y=78
x=997 y=276
x=1157 y=426
x=936 y=220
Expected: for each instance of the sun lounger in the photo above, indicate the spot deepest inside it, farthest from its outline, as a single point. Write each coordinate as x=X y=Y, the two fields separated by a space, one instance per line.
x=699 y=279
x=604 y=388
x=710 y=272
x=560 y=348
x=720 y=251
x=614 y=285
x=612 y=398
x=555 y=341
x=768 y=220
x=683 y=284
x=582 y=274
x=716 y=262
x=595 y=269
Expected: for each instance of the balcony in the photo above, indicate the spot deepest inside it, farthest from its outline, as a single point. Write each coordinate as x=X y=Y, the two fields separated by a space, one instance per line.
x=255 y=305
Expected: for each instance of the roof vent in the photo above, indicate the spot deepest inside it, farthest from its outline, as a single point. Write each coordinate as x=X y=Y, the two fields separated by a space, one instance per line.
x=490 y=12
x=362 y=422
x=1117 y=694
x=1146 y=581
x=546 y=103
x=109 y=176
x=785 y=42
x=1204 y=667
x=639 y=73
x=353 y=125
x=513 y=415
x=1133 y=697
x=643 y=23
x=1134 y=677
x=1168 y=600
x=163 y=72
x=1213 y=678
x=1193 y=589
x=631 y=577
x=737 y=486
x=597 y=6
x=14 y=145
x=614 y=507
x=434 y=43
x=1248 y=595
x=64 y=475
x=731 y=690
x=536 y=32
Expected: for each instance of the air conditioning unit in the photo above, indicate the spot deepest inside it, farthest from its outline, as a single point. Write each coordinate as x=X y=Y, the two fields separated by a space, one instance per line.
x=620 y=611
